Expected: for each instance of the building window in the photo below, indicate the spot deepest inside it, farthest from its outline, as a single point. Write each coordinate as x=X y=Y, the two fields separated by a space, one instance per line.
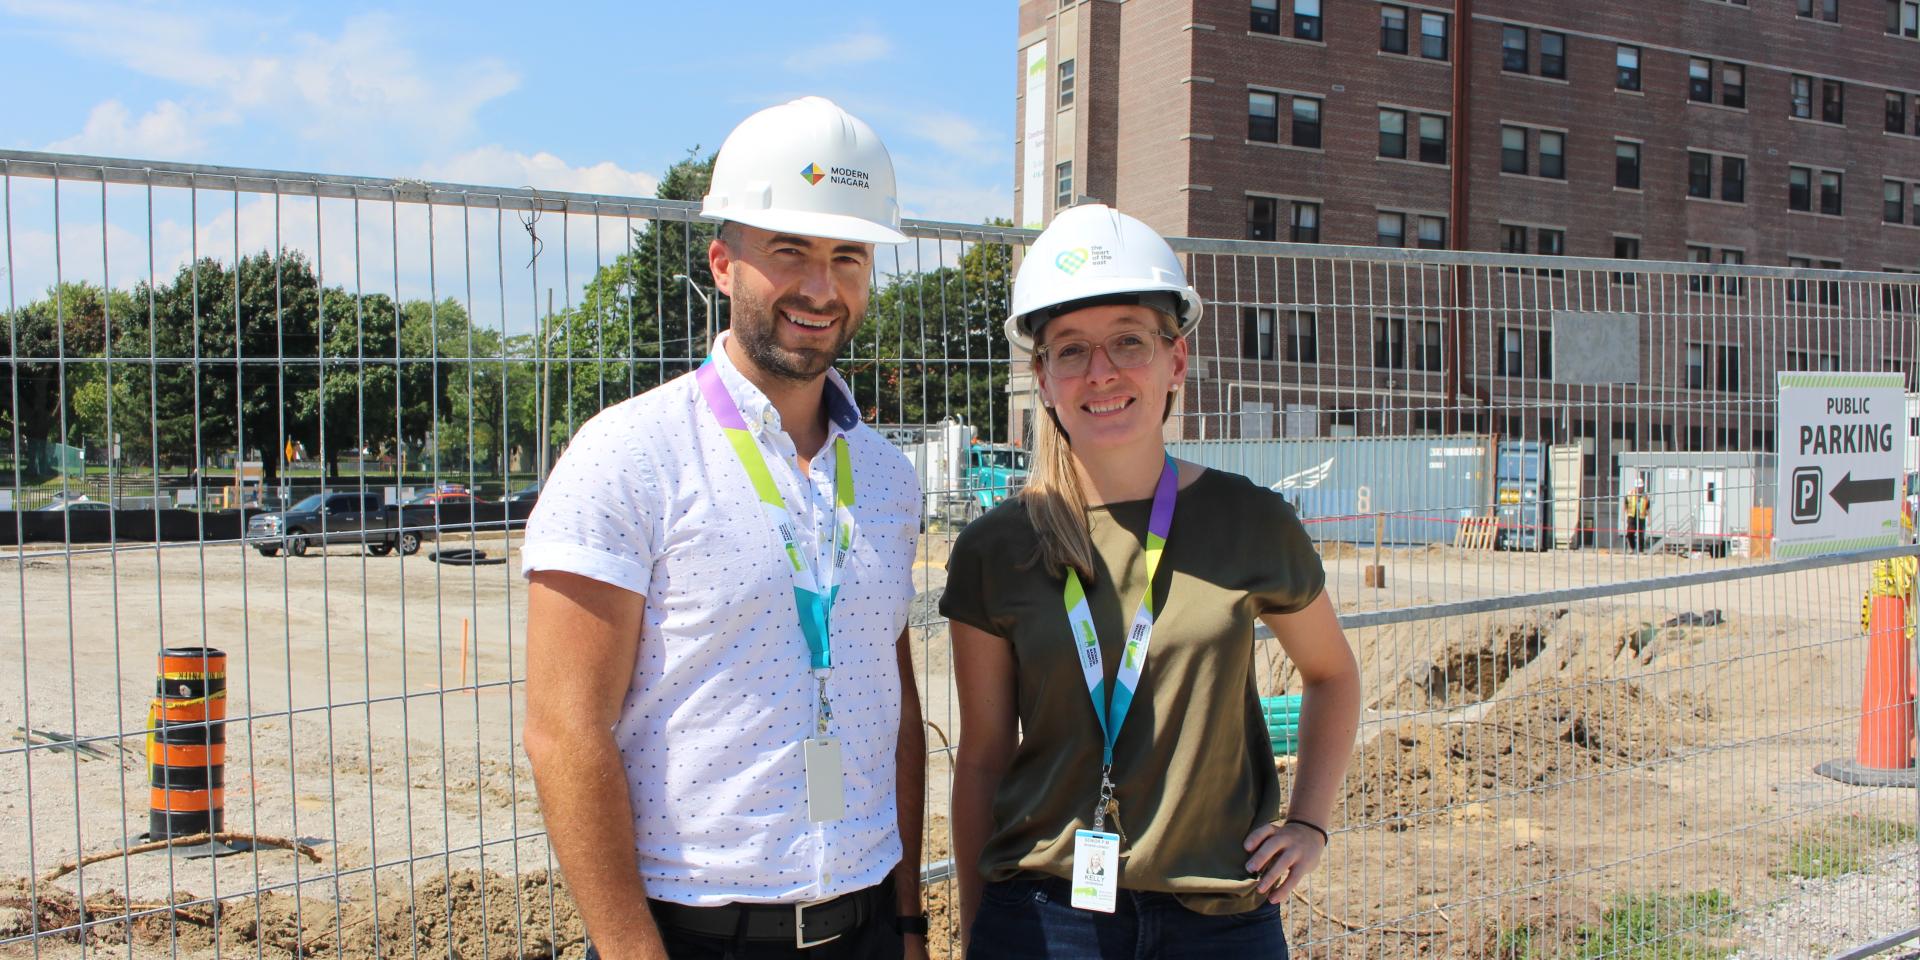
x=1433 y=139
x=1552 y=243
x=1303 y=337
x=1262 y=216
x=1426 y=345
x=1699 y=174
x=1263 y=117
x=1306 y=222
x=1306 y=19
x=1066 y=84
x=1626 y=248
x=1393 y=28
x=1828 y=10
x=1797 y=289
x=1733 y=86
x=1895 y=210
x=1726 y=368
x=1696 y=366
x=1257 y=333
x=1433 y=36
x=1513 y=150
x=1393 y=134
x=1903 y=18
x=1513 y=49
x=1266 y=16
x=1306 y=122
x=1698 y=254
x=1553 y=55
x=1063 y=185
x=1626 y=164
x=1801 y=88
x=1733 y=286
x=1513 y=239
x=1392 y=230
x=1733 y=179
x=1800 y=188
x=1626 y=61
x=1833 y=101
x=1553 y=155
x=1896 y=112
x=1390 y=343
x=1510 y=352
x=1433 y=231
x=1700 y=80
x=1830 y=193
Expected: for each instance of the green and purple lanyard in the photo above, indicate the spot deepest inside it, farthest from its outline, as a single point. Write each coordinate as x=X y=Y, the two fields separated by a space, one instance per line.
x=815 y=587
x=1133 y=659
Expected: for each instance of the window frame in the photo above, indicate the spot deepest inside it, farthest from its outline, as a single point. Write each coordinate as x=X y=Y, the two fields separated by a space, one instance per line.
x=1300 y=130
x=1558 y=61
x=1559 y=165
x=1302 y=349
x=1618 y=160
x=1380 y=235
x=1800 y=96
x=1800 y=196
x=1699 y=80
x=1064 y=84
x=1063 y=173
x=1509 y=53
x=1444 y=38
x=1833 y=101
x=1733 y=96
x=1425 y=141
x=1507 y=153
x=1733 y=189
x=1255 y=120
x=1387 y=31
x=1838 y=194
x=1259 y=333
x=1309 y=26
x=1385 y=113
x=1299 y=231
x=1699 y=175
x=1627 y=77
x=1264 y=17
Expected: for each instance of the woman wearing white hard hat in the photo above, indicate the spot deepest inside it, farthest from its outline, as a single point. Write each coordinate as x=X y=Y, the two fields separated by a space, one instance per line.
x=1103 y=646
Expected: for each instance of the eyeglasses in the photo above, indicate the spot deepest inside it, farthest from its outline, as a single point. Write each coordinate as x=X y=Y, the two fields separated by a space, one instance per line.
x=1126 y=350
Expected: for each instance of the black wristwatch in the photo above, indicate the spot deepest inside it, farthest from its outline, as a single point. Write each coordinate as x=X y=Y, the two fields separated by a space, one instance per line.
x=915 y=925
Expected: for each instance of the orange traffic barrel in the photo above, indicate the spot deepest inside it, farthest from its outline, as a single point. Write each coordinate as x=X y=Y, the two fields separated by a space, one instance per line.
x=187 y=744
x=1886 y=701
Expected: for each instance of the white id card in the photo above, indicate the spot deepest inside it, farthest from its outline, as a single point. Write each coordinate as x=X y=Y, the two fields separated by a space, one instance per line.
x=826 y=789
x=1096 y=870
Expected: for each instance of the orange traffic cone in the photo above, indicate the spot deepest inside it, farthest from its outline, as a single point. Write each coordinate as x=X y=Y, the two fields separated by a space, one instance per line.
x=1883 y=756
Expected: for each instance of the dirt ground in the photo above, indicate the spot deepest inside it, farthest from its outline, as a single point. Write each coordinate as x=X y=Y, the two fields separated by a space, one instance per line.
x=1519 y=771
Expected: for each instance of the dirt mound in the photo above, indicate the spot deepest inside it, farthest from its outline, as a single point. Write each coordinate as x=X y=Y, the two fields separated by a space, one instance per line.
x=1470 y=669
x=1420 y=770
x=468 y=914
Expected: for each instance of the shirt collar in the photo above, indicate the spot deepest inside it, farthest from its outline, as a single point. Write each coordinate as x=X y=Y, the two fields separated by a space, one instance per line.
x=758 y=411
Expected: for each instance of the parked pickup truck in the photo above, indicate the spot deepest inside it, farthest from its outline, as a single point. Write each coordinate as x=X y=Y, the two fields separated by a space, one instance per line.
x=329 y=518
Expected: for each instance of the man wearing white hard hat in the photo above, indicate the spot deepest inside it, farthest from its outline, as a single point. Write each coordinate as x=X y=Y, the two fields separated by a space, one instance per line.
x=722 y=717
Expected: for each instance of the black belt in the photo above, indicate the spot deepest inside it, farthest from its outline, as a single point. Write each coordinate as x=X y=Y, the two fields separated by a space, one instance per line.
x=808 y=924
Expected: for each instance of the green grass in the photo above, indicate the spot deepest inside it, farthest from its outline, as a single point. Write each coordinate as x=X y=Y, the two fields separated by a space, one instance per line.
x=1849 y=844
x=1658 y=926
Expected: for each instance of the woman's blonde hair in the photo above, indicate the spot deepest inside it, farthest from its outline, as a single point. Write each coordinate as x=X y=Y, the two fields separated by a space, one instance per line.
x=1055 y=500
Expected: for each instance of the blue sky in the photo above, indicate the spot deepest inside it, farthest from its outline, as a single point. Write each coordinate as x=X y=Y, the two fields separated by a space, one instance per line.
x=594 y=97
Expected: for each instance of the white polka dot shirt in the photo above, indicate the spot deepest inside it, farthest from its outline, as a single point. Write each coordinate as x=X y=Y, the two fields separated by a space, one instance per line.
x=650 y=497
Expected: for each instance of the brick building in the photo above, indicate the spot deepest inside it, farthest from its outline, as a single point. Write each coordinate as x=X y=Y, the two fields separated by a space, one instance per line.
x=1759 y=132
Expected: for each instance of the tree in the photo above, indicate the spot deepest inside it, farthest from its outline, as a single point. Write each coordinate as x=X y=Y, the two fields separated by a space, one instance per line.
x=935 y=345
x=40 y=341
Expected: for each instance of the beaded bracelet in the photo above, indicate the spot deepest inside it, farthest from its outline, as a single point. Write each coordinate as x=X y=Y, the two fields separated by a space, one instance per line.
x=1325 y=837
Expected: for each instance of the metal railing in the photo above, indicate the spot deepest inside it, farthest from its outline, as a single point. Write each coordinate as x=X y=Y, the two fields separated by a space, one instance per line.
x=1562 y=752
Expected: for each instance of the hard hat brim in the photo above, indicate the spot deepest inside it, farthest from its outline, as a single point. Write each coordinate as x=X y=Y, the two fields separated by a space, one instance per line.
x=1021 y=331
x=829 y=226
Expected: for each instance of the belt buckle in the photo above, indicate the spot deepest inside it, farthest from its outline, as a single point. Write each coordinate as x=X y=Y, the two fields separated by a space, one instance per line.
x=800 y=941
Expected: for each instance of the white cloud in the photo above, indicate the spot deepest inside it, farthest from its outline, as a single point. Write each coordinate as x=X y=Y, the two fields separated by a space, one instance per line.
x=959 y=137
x=495 y=165
x=363 y=82
x=166 y=132
x=862 y=47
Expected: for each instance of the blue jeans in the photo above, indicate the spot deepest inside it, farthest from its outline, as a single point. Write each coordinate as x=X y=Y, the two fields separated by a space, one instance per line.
x=1035 y=918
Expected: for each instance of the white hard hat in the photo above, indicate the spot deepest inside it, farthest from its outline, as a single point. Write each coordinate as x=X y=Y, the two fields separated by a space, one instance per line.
x=808 y=168
x=1093 y=252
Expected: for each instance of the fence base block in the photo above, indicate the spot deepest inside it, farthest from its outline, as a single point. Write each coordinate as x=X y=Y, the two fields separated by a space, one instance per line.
x=1851 y=772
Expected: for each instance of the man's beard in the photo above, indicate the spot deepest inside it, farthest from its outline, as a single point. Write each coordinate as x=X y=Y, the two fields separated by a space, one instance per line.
x=758 y=336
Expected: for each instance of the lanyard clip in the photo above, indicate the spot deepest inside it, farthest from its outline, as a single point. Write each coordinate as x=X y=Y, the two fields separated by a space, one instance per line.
x=1106 y=799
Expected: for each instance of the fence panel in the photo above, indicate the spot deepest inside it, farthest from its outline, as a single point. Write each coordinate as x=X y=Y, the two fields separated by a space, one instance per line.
x=1570 y=746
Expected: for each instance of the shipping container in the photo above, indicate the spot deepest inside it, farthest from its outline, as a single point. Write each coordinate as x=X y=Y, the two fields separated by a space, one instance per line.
x=1419 y=488
x=1696 y=501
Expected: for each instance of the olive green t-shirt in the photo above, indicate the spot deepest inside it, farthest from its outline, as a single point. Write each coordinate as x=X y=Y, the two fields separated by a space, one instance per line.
x=1193 y=767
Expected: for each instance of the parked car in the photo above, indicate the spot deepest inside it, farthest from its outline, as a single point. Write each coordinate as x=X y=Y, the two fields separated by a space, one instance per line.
x=76 y=506
x=444 y=496
x=529 y=494
x=329 y=518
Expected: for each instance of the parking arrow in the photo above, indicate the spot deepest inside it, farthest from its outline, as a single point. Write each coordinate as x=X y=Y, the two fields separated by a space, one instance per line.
x=1849 y=491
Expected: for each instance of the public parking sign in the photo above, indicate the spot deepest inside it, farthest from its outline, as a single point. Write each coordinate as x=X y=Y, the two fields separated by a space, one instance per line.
x=1841 y=437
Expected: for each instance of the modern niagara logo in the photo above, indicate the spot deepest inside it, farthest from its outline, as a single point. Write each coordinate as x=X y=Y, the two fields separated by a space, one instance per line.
x=843 y=176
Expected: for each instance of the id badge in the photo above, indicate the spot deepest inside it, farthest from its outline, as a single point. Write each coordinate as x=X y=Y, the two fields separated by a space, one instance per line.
x=1096 y=870
x=826 y=788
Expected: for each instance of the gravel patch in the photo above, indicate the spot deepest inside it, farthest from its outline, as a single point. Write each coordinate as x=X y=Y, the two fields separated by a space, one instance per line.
x=1822 y=918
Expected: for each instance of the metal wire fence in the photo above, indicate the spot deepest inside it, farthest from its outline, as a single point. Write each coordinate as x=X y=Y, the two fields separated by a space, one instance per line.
x=1576 y=742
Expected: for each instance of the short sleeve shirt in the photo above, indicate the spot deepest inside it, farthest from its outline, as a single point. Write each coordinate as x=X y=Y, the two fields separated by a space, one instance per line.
x=1193 y=767
x=650 y=497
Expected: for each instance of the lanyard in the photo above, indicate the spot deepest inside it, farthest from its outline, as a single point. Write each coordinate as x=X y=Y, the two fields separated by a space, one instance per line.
x=1139 y=637
x=815 y=587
